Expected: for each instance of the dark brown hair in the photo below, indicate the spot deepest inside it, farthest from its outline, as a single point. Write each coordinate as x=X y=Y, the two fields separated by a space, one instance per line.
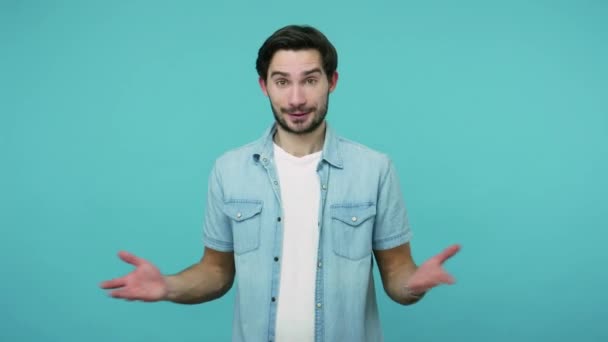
x=296 y=37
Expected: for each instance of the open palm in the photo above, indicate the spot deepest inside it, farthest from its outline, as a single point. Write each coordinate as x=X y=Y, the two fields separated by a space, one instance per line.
x=145 y=283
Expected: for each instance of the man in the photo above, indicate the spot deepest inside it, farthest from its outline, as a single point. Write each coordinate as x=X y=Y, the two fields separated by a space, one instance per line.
x=296 y=216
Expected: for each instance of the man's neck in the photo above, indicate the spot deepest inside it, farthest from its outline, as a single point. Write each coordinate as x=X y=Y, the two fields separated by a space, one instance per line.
x=300 y=145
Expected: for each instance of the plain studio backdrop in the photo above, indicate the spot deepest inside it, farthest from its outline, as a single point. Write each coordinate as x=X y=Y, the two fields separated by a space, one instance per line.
x=495 y=114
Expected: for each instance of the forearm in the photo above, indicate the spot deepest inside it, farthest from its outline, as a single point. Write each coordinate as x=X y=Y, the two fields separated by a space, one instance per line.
x=198 y=284
x=398 y=288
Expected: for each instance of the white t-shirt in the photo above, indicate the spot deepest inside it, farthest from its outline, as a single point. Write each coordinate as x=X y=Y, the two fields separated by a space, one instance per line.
x=300 y=198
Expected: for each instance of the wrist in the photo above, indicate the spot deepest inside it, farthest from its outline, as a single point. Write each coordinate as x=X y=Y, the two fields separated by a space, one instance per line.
x=170 y=286
x=414 y=293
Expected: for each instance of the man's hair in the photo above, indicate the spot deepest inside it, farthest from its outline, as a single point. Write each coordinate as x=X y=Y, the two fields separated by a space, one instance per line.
x=296 y=37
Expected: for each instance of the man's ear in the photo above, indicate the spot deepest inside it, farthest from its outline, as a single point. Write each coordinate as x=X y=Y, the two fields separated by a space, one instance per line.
x=262 y=83
x=333 y=82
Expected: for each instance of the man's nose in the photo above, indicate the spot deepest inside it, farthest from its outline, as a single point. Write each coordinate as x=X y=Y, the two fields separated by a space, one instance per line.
x=297 y=97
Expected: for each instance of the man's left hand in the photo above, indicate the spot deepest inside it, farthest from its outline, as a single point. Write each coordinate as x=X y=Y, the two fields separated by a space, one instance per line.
x=431 y=272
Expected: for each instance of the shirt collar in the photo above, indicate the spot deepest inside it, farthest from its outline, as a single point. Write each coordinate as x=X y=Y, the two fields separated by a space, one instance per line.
x=331 y=147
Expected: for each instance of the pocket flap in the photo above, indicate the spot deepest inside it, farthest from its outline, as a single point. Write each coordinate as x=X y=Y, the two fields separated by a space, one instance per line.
x=242 y=210
x=353 y=214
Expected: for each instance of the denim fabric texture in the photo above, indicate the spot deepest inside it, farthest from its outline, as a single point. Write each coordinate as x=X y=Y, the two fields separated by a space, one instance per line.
x=361 y=210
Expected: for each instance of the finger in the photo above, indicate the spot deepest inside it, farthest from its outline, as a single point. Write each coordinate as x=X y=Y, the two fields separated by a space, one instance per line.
x=114 y=283
x=448 y=253
x=124 y=294
x=130 y=258
x=448 y=279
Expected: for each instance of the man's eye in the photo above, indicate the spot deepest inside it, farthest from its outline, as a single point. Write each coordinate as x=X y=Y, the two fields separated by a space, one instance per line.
x=311 y=81
x=281 y=82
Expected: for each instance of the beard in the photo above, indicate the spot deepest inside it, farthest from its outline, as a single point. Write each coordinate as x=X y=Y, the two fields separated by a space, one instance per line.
x=318 y=117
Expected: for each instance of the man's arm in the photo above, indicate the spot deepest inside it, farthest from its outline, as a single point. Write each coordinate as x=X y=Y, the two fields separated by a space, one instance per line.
x=406 y=283
x=209 y=279
x=204 y=281
x=396 y=266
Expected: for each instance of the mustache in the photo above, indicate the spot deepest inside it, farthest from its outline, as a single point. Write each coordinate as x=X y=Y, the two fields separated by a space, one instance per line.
x=300 y=109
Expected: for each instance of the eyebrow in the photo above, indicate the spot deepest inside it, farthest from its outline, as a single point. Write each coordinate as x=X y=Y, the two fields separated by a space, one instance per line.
x=278 y=73
x=309 y=72
x=305 y=73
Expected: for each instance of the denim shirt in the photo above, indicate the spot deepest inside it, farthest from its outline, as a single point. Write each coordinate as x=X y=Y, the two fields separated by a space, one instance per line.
x=361 y=210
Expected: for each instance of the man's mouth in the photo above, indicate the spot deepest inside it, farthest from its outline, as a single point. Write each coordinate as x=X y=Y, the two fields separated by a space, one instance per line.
x=299 y=114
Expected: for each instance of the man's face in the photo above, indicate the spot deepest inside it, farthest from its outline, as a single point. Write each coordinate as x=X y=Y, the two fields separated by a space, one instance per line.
x=298 y=89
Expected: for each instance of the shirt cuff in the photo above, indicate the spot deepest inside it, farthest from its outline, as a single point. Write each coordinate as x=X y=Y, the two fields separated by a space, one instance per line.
x=217 y=245
x=392 y=241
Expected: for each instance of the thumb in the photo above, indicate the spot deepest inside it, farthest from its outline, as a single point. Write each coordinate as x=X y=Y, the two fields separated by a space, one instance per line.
x=130 y=258
x=447 y=253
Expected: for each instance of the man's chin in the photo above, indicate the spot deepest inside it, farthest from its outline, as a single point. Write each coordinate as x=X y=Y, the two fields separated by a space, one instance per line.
x=299 y=125
x=306 y=128
x=296 y=126
x=299 y=129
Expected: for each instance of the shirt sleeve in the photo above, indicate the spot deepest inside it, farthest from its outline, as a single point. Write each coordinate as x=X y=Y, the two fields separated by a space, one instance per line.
x=391 y=226
x=217 y=232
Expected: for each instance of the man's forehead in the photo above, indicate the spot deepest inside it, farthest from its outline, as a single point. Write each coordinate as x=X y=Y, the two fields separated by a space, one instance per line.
x=295 y=61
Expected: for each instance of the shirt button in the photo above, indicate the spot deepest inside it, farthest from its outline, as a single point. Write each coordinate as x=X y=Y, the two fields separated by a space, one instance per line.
x=273 y=299
x=265 y=160
x=324 y=187
x=279 y=219
x=238 y=215
x=319 y=305
x=276 y=258
x=320 y=264
x=354 y=219
x=276 y=183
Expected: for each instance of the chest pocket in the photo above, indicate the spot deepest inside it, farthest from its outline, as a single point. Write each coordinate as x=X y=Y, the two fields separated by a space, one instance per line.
x=246 y=222
x=352 y=228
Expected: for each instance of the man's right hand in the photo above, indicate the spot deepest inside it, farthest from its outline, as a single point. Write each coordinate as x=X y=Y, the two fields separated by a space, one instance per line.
x=145 y=283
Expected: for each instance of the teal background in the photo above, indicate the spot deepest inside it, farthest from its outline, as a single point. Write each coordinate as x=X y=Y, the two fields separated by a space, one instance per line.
x=495 y=114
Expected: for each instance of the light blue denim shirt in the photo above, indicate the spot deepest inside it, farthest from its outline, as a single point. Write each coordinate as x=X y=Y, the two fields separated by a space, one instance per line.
x=361 y=210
